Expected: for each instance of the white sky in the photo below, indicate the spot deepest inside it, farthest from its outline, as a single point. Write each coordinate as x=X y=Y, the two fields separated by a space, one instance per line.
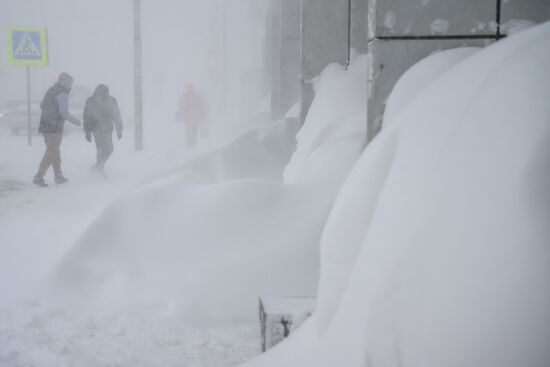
x=92 y=40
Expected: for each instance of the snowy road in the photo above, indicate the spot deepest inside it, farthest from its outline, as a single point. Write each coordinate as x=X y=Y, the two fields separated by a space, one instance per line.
x=38 y=336
x=38 y=226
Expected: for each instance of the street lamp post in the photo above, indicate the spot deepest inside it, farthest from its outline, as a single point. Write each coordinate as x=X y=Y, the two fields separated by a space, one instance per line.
x=138 y=77
x=224 y=55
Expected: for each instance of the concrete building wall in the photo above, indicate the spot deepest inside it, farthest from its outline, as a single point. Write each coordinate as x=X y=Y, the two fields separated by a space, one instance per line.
x=284 y=53
x=358 y=26
x=402 y=32
x=325 y=39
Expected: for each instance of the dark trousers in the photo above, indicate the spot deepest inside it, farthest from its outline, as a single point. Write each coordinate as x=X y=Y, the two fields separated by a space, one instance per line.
x=191 y=132
x=104 y=145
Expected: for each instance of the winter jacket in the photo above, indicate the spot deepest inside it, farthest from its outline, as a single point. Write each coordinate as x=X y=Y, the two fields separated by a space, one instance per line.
x=101 y=113
x=55 y=107
x=192 y=108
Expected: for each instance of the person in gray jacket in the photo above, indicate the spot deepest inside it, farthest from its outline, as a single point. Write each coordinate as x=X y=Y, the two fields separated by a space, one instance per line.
x=55 y=111
x=101 y=117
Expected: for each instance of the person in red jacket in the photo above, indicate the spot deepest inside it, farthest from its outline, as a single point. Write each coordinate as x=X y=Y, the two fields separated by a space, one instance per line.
x=192 y=111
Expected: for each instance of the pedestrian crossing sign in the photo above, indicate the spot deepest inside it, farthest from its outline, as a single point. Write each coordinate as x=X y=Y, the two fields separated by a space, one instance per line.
x=27 y=46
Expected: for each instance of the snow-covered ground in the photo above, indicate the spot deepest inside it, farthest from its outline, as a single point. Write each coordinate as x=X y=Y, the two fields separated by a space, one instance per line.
x=38 y=226
x=162 y=264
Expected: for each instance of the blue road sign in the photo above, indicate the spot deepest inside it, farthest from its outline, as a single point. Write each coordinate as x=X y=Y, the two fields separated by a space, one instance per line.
x=27 y=46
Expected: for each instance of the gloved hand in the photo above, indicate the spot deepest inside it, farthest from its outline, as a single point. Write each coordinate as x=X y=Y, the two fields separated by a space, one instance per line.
x=119 y=135
x=89 y=137
x=77 y=122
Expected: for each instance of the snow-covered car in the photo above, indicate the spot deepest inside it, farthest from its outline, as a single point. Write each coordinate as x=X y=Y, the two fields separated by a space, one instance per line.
x=14 y=117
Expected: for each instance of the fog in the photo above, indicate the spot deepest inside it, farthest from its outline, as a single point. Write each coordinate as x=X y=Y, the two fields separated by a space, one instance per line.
x=423 y=244
x=183 y=42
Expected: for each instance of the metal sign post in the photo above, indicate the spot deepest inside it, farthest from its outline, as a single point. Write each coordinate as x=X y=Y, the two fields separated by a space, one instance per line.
x=27 y=46
x=29 y=109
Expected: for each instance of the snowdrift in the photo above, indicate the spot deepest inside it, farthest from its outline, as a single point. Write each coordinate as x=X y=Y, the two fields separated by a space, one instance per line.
x=419 y=76
x=333 y=114
x=436 y=252
x=261 y=153
x=210 y=249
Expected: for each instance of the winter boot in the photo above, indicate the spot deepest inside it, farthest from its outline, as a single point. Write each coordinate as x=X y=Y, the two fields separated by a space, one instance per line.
x=39 y=181
x=60 y=180
x=99 y=168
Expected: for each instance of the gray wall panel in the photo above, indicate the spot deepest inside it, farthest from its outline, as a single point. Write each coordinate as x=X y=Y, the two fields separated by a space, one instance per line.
x=358 y=31
x=290 y=54
x=325 y=39
x=285 y=51
x=434 y=17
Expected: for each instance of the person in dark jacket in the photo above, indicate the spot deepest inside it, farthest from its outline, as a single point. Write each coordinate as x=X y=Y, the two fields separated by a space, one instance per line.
x=55 y=111
x=101 y=117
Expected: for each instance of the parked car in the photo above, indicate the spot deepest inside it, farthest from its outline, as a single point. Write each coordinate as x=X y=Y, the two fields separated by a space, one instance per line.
x=14 y=114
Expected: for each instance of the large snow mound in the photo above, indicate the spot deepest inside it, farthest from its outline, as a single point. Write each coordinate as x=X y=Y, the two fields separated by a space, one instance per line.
x=421 y=75
x=331 y=115
x=436 y=252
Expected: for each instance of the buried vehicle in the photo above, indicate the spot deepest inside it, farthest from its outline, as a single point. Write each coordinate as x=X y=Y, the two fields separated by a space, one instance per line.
x=14 y=115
